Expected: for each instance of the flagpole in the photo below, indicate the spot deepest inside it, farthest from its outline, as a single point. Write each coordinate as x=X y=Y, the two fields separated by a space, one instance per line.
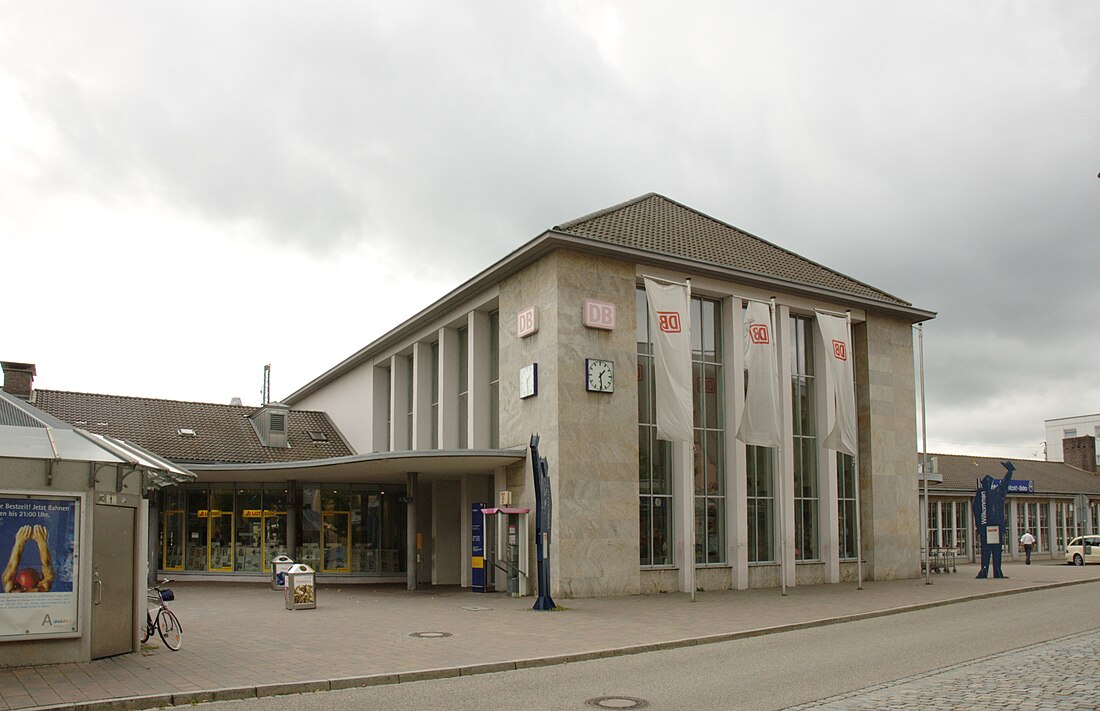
x=687 y=461
x=855 y=471
x=924 y=462
x=779 y=476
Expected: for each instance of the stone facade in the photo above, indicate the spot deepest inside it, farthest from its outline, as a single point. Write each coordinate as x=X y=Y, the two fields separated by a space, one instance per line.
x=885 y=399
x=590 y=440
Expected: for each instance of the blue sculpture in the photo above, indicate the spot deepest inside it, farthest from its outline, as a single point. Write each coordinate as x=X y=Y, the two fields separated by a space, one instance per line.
x=989 y=518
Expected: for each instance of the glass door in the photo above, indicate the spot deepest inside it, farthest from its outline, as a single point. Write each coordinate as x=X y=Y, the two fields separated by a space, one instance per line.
x=171 y=534
x=335 y=537
x=220 y=529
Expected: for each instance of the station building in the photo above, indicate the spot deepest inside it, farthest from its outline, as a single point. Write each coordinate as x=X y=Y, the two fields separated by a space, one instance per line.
x=1055 y=501
x=435 y=417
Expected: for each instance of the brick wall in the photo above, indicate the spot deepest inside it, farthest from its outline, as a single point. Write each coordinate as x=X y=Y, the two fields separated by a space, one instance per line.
x=1080 y=452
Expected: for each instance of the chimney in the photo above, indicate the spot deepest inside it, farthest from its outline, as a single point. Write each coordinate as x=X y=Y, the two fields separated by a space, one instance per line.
x=18 y=379
x=1080 y=452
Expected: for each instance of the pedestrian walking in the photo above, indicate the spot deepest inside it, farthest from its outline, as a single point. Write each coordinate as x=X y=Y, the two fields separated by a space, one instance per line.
x=1027 y=541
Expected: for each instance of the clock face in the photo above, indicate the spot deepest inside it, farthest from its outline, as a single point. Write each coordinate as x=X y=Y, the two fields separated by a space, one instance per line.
x=529 y=380
x=599 y=375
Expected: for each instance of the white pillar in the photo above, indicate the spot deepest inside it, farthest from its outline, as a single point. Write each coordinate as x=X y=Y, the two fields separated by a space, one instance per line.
x=422 y=396
x=448 y=388
x=399 y=403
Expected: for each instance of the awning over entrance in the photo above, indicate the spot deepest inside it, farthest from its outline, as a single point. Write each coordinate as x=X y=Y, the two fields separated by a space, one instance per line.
x=384 y=467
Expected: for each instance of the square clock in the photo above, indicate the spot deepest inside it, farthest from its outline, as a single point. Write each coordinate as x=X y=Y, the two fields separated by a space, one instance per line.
x=529 y=380
x=599 y=375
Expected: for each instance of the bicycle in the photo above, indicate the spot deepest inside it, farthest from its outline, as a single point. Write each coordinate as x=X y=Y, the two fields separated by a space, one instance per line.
x=165 y=622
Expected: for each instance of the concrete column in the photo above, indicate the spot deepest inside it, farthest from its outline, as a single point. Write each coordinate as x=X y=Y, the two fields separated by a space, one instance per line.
x=737 y=532
x=410 y=530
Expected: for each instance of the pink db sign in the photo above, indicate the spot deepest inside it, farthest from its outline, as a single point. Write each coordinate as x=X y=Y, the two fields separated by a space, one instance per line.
x=599 y=314
x=527 y=322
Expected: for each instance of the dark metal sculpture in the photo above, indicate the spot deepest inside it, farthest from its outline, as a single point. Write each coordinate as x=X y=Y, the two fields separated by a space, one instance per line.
x=989 y=518
x=543 y=508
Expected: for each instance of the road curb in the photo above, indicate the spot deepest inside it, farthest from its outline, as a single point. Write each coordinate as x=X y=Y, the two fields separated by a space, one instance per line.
x=135 y=703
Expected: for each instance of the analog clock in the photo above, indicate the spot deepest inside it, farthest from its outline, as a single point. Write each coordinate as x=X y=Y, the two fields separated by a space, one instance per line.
x=599 y=375
x=529 y=380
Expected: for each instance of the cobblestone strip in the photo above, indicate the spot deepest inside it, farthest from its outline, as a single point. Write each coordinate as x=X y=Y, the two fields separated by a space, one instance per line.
x=1060 y=674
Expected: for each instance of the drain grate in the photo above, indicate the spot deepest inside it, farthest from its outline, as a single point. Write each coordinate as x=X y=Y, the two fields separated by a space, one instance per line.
x=431 y=635
x=476 y=608
x=617 y=702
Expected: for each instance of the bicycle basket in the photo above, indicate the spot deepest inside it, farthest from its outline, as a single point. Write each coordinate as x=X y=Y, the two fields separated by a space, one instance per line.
x=167 y=595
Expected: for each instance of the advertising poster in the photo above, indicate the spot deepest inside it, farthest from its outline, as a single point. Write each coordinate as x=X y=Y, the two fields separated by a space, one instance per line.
x=38 y=549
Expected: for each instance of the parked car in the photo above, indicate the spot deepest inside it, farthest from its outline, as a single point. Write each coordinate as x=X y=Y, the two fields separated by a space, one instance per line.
x=1083 y=549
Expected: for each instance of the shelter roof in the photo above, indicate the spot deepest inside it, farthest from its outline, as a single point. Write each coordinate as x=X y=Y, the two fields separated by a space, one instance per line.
x=962 y=472
x=194 y=432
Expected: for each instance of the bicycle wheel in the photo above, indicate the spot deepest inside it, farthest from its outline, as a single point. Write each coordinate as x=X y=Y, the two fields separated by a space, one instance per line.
x=168 y=625
x=148 y=628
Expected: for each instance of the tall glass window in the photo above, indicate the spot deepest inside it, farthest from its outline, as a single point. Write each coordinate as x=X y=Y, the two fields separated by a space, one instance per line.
x=411 y=377
x=1044 y=526
x=494 y=379
x=804 y=403
x=846 y=505
x=654 y=456
x=1094 y=509
x=709 y=460
x=760 y=480
x=435 y=395
x=389 y=410
x=463 y=388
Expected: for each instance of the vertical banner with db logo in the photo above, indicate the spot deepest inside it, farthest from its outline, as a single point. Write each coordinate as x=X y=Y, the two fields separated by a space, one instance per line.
x=38 y=549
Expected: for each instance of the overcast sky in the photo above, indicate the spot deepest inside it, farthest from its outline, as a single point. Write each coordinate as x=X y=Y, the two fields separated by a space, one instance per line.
x=189 y=191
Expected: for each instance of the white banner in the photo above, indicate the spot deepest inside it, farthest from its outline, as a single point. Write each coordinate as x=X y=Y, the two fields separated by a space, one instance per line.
x=670 y=331
x=760 y=417
x=841 y=434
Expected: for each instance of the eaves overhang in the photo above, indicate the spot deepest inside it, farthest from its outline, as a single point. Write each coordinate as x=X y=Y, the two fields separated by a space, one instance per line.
x=375 y=467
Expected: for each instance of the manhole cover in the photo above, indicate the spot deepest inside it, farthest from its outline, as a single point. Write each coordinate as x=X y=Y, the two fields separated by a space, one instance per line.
x=430 y=635
x=617 y=702
x=476 y=608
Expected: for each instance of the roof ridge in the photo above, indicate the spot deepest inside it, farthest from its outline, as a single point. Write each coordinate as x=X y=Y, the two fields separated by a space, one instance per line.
x=149 y=399
x=566 y=227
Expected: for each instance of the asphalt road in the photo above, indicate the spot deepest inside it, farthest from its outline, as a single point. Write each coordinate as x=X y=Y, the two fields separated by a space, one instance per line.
x=768 y=672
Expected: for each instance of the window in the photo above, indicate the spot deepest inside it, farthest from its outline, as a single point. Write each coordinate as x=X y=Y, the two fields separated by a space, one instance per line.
x=846 y=505
x=435 y=395
x=654 y=456
x=805 y=439
x=760 y=476
x=463 y=388
x=1066 y=434
x=494 y=379
x=409 y=378
x=389 y=409
x=709 y=461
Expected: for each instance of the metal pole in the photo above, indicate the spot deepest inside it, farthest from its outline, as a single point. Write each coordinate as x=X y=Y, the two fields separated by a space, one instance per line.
x=687 y=459
x=780 y=498
x=924 y=461
x=855 y=473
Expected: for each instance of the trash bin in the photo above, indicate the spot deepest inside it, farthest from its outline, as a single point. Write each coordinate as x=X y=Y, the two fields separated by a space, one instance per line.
x=279 y=565
x=300 y=592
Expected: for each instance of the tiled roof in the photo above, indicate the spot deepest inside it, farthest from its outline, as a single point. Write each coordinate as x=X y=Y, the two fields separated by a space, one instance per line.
x=223 y=433
x=654 y=223
x=961 y=472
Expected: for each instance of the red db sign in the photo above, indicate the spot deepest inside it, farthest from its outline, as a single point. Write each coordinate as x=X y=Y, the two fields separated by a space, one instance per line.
x=599 y=314
x=758 y=334
x=840 y=350
x=668 y=321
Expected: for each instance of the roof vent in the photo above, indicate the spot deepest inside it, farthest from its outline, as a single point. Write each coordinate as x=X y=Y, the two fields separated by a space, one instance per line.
x=186 y=432
x=318 y=436
x=270 y=423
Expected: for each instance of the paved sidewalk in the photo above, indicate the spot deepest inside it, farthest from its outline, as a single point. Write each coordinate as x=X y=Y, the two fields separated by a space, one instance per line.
x=240 y=641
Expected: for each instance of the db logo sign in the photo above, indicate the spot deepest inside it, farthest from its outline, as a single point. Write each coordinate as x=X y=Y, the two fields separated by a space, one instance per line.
x=600 y=314
x=840 y=350
x=758 y=334
x=668 y=321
